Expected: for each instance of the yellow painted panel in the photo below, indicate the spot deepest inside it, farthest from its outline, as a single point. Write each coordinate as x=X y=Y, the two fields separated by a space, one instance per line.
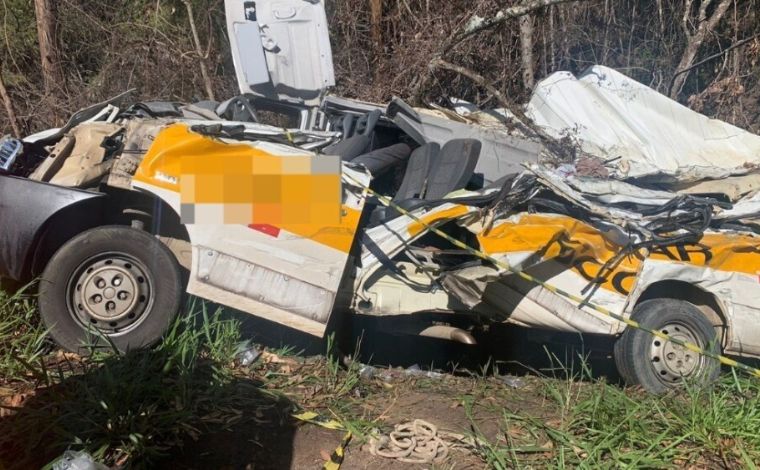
x=281 y=190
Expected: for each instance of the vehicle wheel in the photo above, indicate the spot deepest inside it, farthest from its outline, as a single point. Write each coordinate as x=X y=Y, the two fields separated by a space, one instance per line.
x=658 y=365
x=114 y=281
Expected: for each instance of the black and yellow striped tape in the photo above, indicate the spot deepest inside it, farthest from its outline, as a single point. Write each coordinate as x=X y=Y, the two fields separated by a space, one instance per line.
x=575 y=298
x=336 y=458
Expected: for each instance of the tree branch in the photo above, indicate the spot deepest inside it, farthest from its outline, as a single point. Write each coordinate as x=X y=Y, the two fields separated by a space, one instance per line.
x=199 y=51
x=9 y=109
x=715 y=56
x=477 y=25
x=705 y=26
x=521 y=120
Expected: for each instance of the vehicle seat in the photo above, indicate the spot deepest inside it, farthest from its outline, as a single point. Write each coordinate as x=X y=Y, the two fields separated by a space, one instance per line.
x=350 y=148
x=432 y=174
x=357 y=133
x=422 y=160
x=454 y=168
x=380 y=161
x=413 y=184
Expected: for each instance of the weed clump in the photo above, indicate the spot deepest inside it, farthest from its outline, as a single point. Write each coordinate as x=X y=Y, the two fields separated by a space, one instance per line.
x=132 y=408
x=22 y=336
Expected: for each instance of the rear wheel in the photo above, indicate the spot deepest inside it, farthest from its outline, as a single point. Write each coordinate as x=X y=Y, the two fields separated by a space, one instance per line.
x=114 y=285
x=658 y=365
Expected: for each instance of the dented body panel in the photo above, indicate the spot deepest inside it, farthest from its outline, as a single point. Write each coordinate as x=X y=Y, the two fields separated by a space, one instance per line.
x=286 y=272
x=585 y=226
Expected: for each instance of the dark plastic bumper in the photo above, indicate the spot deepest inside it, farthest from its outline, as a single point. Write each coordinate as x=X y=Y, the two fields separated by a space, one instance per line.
x=27 y=208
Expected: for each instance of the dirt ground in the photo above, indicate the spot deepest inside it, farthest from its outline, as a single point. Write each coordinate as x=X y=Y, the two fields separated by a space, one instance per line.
x=472 y=397
x=380 y=403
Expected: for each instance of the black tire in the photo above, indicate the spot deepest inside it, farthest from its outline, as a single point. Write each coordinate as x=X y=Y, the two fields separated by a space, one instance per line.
x=110 y=287
x=658 y=366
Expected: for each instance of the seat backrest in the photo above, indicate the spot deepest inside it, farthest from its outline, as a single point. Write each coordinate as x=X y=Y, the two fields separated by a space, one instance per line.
x=350 y=148
x=420 y=162
x=454 y=167
x=382 y=160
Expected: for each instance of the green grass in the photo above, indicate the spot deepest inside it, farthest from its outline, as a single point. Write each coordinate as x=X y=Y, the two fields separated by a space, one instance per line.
x=134 y=407
x=22 y=337
x=592 y=424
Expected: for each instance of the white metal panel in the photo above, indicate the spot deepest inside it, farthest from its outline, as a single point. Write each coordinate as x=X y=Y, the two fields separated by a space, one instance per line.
x=283 y=277
x=294 y=42
x=252 y=64
x=613 y=116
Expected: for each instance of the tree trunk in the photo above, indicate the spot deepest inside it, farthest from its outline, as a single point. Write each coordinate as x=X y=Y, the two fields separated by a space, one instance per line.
x=376 y=10
x=52 y=73
x=199 y=50
x=705 y=25
x=9 y=108
x=474 y=26
x=526 y=51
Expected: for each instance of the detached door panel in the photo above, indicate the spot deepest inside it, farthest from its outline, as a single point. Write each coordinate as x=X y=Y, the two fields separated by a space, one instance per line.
x=293 y=49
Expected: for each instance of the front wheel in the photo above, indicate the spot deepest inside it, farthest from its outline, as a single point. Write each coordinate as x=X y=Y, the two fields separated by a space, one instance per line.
x=658 y=365
x=114 y=285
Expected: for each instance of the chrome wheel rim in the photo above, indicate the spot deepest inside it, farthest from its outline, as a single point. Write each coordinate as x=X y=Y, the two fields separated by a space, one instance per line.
x=111 y=292
x=673 y=362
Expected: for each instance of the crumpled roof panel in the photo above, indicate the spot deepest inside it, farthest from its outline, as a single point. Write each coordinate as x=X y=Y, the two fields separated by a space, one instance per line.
x=613 y=116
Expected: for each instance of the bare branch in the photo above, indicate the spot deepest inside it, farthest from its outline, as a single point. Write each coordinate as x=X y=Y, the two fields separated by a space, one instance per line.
x=694 y=41
x=686 y=15
x=478 y=24
x=9 y=108
x=199 y=51
x=521 y=120
x=526 y=51
x=50 y=59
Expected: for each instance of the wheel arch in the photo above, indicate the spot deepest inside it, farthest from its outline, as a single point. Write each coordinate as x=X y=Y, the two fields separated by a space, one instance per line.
x=115 y=207
x=707 y=302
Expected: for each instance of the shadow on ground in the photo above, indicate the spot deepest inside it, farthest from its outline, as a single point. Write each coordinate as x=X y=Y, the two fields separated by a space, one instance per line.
x=512 y=349
x=140 y=405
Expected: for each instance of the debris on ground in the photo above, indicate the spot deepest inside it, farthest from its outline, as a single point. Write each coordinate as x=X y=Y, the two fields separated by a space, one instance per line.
x=512 y=381
x=418 y=442
x=415 y=371
x=78 y=461
x=247 y=353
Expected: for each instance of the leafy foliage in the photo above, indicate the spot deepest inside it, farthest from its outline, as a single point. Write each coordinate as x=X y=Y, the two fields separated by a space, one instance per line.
x=108 y=47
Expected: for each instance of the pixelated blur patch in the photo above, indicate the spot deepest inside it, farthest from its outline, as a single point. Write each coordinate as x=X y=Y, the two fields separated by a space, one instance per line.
x=261 y=189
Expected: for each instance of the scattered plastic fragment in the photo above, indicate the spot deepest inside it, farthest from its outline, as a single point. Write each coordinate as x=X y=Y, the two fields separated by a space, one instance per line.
x=367 y=372
x=512 y=381
x=78 y=461
x=414 y=370
x=247 y=353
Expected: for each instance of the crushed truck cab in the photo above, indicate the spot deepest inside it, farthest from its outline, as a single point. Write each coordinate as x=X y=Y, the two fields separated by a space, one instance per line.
x=463 y=216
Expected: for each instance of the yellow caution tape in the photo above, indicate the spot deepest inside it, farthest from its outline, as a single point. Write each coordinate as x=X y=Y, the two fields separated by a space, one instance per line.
x=319 y=420
x=575 y=298
x=336 y=458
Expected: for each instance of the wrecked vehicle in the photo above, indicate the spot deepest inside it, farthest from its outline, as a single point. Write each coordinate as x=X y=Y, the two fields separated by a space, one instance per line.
x=129 y=206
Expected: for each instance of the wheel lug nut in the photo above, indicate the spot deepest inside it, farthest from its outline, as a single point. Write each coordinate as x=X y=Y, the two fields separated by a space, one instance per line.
x=116 y=281
x=96 y=299
x=110 y=306
x=123 y=295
